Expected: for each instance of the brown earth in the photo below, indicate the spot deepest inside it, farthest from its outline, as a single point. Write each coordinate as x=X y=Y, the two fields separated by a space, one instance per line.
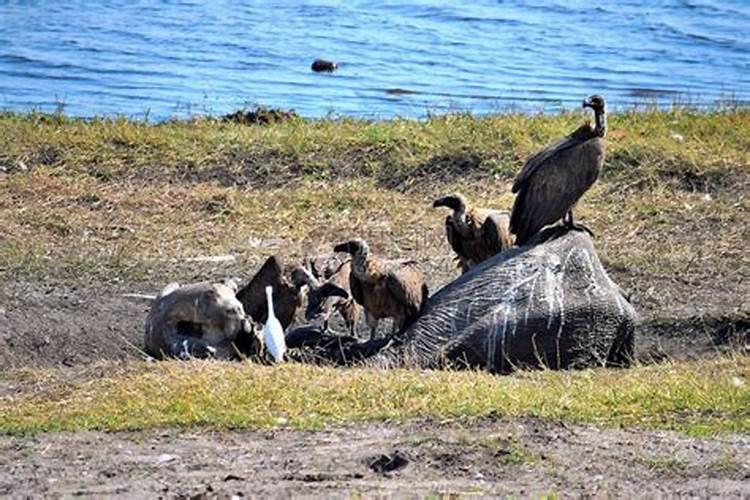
x=526 y=458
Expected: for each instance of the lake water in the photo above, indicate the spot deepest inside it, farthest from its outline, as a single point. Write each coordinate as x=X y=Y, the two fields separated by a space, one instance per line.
x=172 y=59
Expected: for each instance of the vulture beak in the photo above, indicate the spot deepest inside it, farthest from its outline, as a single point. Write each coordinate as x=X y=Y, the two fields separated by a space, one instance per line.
x=453 y=202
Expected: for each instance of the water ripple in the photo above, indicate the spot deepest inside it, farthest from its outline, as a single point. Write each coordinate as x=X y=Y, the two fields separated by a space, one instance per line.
x=406 y=58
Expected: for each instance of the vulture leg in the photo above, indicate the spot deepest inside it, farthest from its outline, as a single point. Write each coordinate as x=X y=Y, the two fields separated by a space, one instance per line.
x=373 y=324
x=568 y=221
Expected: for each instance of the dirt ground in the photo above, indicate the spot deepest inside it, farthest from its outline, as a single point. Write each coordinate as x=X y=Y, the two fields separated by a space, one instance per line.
x=526 y=458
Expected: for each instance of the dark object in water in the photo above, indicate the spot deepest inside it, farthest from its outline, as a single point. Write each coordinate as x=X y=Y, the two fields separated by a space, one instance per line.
x=260 y=116
x=323 y=66
x=400 y=91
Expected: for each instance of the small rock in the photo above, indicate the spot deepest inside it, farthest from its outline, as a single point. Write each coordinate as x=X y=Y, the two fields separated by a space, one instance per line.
x=165 y=458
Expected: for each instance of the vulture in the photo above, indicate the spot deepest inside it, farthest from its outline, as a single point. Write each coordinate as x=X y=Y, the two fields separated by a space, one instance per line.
x=332 y=294
x=323 y=266
x=287 y=295
x=385 y=289
x=555 y=178
x=475 y=234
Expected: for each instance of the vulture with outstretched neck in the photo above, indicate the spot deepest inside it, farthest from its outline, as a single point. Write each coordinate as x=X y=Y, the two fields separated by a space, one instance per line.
x=385 y=288
x=553 y=180
x=475 y=234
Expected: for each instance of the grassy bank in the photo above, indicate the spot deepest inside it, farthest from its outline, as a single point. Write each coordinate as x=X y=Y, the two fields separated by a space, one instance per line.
x=128 y=195
x=701 y=398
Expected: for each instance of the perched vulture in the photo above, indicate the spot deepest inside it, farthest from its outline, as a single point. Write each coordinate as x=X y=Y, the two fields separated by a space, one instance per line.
x=287 y=296
x=554 y=179
x=385 y=289
x=475 y=234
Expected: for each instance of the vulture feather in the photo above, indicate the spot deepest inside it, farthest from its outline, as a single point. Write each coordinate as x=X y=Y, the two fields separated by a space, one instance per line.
x=287 y=296
x=385 y=289
x=475 y=234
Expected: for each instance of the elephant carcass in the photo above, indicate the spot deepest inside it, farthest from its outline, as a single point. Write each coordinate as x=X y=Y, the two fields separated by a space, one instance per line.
x=550 y=303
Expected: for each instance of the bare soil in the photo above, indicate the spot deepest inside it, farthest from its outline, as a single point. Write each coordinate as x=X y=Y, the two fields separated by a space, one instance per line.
x=527 y=458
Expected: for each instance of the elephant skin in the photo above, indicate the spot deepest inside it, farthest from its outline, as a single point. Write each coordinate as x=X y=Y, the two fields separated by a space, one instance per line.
x=549 y=303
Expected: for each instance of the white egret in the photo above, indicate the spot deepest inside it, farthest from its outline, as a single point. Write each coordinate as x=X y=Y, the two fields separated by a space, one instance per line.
x=273 y=333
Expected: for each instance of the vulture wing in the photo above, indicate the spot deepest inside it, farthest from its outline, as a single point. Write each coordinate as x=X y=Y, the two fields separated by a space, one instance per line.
x=560 y=181
x=253 y=295
x=495 y=232
x=453 y=237
x=406 y=285
x=580 y=135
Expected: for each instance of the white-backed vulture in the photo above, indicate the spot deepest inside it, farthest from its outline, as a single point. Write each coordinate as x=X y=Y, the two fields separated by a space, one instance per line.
x=475 y=234
x=553 y=180
x=385 y=289
x=287 y=295
x=326 y=296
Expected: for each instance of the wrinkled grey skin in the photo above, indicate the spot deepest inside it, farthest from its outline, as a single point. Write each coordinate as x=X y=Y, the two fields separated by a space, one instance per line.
x=550 y=304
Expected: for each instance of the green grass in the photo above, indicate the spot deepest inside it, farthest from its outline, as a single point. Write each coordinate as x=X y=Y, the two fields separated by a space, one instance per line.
x=113 y=188
x=699 y=398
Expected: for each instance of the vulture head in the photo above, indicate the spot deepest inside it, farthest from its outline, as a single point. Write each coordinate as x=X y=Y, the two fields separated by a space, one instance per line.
x=352 y=247
x=301 y=277
x=318 y=305
x=455 y=202
x=595 y=102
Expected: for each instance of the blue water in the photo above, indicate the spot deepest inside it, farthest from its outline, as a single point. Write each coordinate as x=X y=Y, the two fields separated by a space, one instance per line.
x=173 y=59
